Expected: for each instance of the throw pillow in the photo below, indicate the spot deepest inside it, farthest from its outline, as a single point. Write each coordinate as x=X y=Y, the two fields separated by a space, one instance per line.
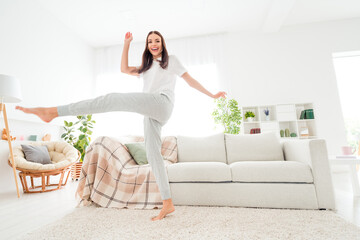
x=138 y=152
x=36 y=154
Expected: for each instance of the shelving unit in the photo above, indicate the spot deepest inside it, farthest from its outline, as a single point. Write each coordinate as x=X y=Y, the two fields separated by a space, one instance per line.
x=281 y=117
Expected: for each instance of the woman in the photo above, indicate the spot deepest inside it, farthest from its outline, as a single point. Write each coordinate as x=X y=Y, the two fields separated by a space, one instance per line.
x=156 y=103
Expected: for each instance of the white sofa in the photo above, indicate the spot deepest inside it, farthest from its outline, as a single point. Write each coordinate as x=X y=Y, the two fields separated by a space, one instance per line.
x=258 y=170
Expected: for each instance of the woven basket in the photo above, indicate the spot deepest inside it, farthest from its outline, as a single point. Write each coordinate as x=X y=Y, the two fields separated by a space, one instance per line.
x=76 y=170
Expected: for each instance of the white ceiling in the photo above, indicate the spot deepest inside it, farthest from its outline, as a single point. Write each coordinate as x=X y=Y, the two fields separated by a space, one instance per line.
x=105 y=22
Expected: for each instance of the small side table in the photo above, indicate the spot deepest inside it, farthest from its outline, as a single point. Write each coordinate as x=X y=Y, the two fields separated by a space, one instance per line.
x=351 y=162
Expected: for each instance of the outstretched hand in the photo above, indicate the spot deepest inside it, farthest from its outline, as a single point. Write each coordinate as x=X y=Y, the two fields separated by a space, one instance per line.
x=220 y=94
x=128 y=37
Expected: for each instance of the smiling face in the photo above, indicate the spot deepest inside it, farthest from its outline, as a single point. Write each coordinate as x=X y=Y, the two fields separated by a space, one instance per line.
x=154 y=45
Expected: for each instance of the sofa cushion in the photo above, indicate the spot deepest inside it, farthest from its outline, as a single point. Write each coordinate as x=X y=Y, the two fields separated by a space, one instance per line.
x=201 y=149
x=199 y=172
x=253 y=147
x=274 y=171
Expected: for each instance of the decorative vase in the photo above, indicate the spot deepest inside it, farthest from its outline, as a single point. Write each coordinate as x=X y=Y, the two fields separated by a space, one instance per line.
x=250 y=119
x=287 y=132
x=267 y=118
x=282 y=133
x=76 y=170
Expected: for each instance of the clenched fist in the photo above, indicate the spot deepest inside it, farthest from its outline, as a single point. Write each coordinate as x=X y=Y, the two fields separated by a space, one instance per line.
x=128 y=37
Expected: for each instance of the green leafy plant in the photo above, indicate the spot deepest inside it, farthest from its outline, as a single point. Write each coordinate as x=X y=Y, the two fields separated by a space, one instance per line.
x=249 y=114
x=82 y=139
x=228 y=114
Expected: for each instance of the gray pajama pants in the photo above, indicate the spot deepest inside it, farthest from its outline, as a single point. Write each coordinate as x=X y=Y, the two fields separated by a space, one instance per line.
x=156 y=108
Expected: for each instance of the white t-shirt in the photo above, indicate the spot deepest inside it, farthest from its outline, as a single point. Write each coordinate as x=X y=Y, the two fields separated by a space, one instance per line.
x=159 y=80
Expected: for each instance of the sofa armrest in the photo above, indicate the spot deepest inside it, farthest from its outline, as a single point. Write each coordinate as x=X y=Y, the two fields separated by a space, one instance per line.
x=313 y=152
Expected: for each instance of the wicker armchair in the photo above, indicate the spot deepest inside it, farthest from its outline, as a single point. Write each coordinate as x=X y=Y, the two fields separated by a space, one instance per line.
x=62 y=156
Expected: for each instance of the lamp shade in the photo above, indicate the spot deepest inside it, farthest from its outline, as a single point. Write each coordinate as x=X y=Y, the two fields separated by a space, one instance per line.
x=10 y=91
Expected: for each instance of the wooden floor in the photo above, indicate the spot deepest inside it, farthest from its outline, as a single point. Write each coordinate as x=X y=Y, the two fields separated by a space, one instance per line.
x=32 y=211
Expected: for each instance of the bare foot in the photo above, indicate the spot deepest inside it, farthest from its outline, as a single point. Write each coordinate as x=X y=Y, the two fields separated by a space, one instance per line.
x=167 y=208
x=45 y=114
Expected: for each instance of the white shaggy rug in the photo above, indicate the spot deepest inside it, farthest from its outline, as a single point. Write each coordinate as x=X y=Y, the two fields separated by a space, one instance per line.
x=198 y=223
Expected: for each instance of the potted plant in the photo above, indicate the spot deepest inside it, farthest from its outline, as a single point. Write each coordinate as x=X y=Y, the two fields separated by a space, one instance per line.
x=80 y=139
x=228 y=114
x=249 y=115
x=267 y=114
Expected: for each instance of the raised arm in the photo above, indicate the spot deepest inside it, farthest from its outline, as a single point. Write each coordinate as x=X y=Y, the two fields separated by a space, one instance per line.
x=124 y=58
x=195 y=84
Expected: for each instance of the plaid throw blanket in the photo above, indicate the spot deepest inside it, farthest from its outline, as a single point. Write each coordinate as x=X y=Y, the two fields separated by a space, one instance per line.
x=111 y=178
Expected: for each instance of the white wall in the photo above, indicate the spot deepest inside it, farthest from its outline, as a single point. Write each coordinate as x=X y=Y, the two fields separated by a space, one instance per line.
x=293 y=65
x=53 y=65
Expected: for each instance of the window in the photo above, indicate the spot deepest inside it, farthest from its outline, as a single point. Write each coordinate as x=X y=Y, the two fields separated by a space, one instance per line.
x=192 y=110
x=116 y=124
x=348 y=75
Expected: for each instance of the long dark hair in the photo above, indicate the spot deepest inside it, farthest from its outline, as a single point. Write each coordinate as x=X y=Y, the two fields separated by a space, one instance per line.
x=147 y=57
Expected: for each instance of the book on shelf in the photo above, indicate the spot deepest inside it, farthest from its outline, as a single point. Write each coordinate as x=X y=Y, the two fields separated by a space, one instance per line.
x=307 y=114
x=255 y=131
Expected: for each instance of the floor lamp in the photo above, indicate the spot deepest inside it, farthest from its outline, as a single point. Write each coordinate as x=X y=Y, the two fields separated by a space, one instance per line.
x=9 y=93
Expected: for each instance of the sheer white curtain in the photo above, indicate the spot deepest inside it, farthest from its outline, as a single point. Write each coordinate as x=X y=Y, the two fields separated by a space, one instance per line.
x=192 y=111
x=348 y=75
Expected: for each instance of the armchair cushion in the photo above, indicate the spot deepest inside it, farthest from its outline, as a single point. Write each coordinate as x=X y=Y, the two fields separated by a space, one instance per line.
x=61 y=154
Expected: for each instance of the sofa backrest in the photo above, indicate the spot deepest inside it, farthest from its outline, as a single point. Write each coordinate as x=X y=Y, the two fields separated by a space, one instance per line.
x=201 y=149
x=253 y=147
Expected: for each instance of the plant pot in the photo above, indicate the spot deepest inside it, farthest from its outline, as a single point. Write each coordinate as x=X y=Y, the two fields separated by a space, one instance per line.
x=76 y=170
x=267 y=118
x=250 y=119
